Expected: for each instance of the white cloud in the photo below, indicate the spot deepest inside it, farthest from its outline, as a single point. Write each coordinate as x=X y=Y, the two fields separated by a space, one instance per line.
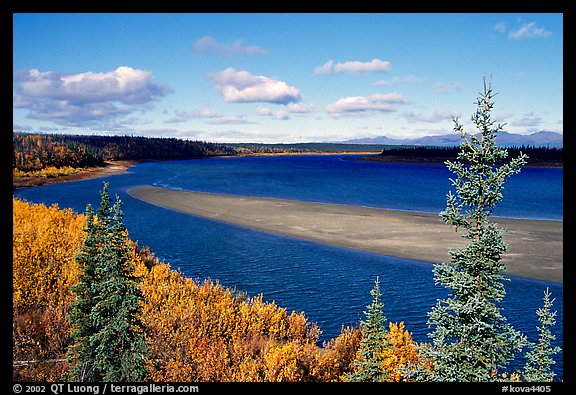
x=281 y=115
x=204 y=113
x=230 y=120
x=500 y=27
x=529 y=30
x=376 y=102
x=528 y=121
x=501 y=117
x=354 y=67
x=437 y=116
x=86 y=97
x=409 y=79
x=264 y=111
x=208 y=44
x=299 y=108
x=243 y=87
x=182 y=116
x=442 y=87
x=278 y=115
x=524 y=31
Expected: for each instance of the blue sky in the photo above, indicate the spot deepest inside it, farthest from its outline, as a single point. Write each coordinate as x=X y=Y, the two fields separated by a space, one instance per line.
x=283 y=77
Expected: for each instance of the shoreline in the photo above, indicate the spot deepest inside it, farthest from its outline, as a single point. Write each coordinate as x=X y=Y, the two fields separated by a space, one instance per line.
x=535 y=246
x=441 y=160
x=112 y=167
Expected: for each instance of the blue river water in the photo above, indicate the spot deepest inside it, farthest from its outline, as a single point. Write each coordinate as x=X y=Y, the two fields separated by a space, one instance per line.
x=330 y=284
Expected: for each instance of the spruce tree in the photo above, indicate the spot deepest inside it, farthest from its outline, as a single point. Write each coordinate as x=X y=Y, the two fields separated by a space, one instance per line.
x=108 y=335
x=538 y=359
x=81 y=356
x=472 y=340
x=369 y=360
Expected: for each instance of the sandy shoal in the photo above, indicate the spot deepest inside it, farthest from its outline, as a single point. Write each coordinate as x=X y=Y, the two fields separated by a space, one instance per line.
x=535 y=247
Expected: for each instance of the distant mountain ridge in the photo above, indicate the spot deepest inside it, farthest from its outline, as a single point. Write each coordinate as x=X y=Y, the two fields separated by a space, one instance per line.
x=504 y=139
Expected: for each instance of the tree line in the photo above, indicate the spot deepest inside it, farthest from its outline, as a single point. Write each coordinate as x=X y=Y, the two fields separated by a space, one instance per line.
x=34 y=152
x=551 y=156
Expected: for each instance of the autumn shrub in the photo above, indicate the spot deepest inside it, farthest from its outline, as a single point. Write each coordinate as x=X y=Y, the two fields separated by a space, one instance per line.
x=195 y=330
x=44 y=241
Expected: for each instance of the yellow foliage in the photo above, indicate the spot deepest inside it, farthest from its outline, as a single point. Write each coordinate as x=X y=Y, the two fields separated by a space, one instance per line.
x=401 y=350
x=45 y=172
x=189 y=322
x=44 y=241
x=196 y=331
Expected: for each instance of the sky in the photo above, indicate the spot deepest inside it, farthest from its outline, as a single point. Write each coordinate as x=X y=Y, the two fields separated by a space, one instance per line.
x=283 y=78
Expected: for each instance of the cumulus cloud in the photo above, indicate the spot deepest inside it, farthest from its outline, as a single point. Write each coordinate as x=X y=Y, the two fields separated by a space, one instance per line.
x=278 y=115
x=243 y=87
x=264 y=111
x=354 y=67
x=376 y=102
x=74 y=99
x=208 y=44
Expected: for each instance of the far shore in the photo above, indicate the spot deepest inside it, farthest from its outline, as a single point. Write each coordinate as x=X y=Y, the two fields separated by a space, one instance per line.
x=535 y=246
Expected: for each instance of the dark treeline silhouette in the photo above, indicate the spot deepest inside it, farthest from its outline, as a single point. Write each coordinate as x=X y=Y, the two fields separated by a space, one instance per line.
x=537 y=156
x=138 y=147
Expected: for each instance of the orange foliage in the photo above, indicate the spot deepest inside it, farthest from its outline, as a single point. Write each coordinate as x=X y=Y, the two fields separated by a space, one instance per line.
x=195 y=331
x=44 y=242
x=207 y=332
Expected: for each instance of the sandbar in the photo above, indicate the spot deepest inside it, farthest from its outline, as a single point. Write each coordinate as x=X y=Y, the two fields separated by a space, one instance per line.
x=535 y=247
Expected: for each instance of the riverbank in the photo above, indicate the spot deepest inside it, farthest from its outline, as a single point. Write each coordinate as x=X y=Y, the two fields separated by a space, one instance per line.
x=111 y=168
x=535 y=246
x=441 y=160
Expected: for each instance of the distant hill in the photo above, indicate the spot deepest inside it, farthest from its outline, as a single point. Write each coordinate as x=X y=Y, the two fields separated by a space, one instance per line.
x=504 y=139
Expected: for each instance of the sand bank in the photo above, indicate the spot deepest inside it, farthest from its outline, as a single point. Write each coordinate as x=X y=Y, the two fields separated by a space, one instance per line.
x=535 y=247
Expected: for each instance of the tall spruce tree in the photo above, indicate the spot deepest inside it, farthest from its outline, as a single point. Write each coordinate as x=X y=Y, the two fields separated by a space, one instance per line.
x=108 y=335
x=539 y=359
x=472 y=340
x=369 y=359
x=81 y=356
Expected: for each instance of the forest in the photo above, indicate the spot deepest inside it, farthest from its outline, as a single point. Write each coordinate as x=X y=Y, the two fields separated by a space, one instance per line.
x=37 y=152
